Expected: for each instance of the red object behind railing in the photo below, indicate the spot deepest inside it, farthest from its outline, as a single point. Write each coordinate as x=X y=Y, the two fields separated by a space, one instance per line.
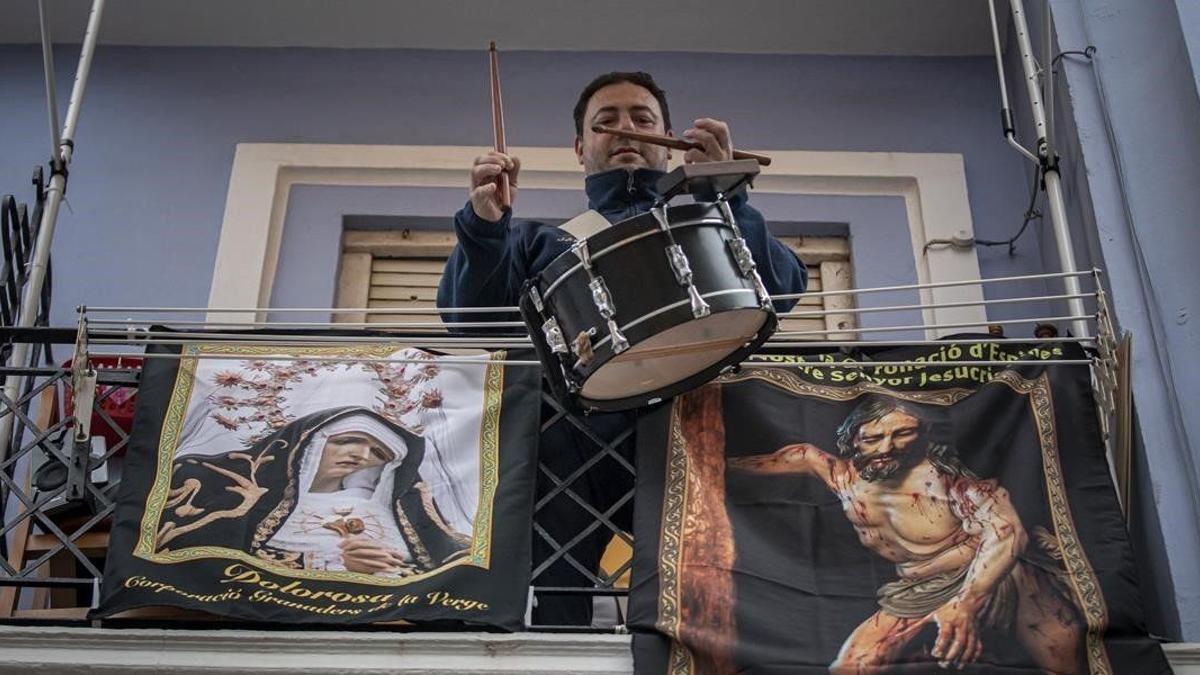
x=118 y=405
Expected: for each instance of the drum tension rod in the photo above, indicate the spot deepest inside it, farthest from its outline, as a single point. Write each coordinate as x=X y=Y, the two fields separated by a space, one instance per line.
x=679 y=263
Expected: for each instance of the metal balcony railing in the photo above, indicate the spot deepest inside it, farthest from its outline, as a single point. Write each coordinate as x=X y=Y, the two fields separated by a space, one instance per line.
x=60 y=494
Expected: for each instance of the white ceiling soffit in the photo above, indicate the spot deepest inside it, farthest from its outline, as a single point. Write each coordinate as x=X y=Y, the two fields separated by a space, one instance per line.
x=838 y=27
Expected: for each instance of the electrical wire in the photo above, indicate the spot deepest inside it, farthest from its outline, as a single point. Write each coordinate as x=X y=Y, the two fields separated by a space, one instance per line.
x=1031 y=214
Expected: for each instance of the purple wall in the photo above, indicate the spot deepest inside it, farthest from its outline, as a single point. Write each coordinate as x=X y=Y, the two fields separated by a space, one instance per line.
x=159 y=126
x=1129 y=131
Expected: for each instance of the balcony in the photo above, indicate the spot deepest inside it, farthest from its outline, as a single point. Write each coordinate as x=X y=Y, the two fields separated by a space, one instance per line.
x=60 y=532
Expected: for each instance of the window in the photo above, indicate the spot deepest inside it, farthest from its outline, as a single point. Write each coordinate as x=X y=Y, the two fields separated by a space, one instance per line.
x=401 y=269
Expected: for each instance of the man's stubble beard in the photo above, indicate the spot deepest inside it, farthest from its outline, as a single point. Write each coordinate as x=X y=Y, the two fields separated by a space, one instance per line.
x=651 y=160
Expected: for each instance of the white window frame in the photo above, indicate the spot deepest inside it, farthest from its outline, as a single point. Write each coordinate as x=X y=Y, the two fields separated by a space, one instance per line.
x=933 y=186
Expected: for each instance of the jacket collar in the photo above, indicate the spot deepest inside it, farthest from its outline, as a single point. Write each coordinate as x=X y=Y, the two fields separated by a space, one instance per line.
x=621 y=190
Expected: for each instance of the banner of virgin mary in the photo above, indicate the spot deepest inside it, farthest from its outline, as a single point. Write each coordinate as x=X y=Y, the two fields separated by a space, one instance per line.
x=356 y=484
x=821 y=514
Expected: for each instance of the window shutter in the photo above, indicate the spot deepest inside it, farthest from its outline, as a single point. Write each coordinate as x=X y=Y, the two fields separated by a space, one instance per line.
x=402 y=268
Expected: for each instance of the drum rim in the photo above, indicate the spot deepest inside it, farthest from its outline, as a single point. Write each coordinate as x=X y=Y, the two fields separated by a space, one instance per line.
x=687 y=384
x=550 y=289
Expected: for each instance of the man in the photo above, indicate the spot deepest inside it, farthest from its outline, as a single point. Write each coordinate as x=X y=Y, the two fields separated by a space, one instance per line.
x=496 y=254
x=960 y=550
x=335 y=490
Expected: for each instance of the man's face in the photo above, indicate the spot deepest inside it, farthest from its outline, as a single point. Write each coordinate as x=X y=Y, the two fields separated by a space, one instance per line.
x=885 y=446
x=625 y=106
x=351 y=451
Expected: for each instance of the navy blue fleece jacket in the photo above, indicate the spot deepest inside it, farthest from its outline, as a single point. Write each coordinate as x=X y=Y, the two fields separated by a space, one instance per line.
x=493 y=260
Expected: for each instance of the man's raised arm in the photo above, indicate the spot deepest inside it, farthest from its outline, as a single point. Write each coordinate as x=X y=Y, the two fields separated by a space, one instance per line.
x=781 y=269
x=476 y=273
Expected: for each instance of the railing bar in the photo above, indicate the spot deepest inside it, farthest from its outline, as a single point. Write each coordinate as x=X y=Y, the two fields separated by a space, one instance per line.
x=323 y=324
x=595 y=513
x=38 y=439
x=579 y=500
x=931 y=326
x=70 y=543
x=587 y=431
x=457 y=360
x=141 y=339
x=559 y=552
x=591 y=527
x=916 y=364
x=48 y=582
x=943 y=341
x=471 y=310
x=580 y=590
x=937 y=284
x=45 y=521
x=332 y=310
x=935 y=305
x=301 y=341
x=564 y=484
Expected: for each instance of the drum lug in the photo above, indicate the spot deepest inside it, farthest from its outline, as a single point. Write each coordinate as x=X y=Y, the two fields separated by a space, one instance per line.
x=554 y=336
x=700 y=308
x=742 y=256
x=745 y=262
x=619 y=342
x=683 y=276
x=604 y=304
x=679 y=264
x=536 y=297
x=602 y=298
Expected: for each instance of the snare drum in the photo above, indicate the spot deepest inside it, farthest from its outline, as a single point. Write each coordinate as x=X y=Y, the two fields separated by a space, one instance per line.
x=652 y=307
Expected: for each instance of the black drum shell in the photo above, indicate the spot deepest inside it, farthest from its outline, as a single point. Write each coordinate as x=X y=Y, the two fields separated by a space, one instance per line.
x=631 y=257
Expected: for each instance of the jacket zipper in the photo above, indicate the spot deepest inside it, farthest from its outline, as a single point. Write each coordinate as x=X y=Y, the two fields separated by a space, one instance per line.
x=630 y=210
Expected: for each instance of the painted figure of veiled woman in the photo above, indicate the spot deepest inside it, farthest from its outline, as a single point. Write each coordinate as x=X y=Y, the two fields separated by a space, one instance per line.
x=335 y=490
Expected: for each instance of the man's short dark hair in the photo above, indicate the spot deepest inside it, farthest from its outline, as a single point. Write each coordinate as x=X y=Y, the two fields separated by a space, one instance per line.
x=639 y=78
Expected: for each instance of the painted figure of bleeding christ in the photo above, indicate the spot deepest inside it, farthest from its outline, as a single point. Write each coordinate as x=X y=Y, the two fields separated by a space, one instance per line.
x=964 y=561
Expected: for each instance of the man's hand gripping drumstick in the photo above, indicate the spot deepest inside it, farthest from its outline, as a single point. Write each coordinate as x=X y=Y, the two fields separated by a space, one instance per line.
x=707 y=141
x=494 y=175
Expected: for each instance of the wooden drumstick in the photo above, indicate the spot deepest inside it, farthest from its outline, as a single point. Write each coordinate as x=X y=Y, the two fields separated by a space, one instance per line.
x=676 y=143
x=498 y=126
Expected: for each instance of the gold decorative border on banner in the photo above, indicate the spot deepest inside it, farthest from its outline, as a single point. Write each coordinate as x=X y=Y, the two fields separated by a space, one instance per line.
x=675 y=498
x=671 y=545
x=1079 y=569
x=489 y=458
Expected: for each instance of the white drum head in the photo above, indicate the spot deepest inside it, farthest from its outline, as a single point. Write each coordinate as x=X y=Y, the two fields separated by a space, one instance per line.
x=674 y=355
